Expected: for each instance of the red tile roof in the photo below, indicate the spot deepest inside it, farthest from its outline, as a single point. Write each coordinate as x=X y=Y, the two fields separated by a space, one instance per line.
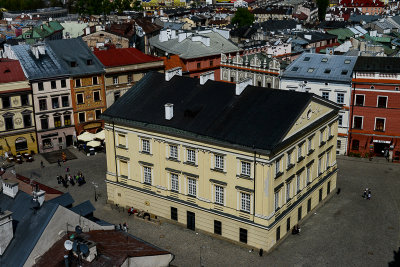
x=172 y=62
x=123 y=56
x=11 y=71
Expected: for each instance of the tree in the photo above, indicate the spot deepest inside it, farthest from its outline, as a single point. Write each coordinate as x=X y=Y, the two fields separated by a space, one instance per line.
x=243 y=17
x=322 y=6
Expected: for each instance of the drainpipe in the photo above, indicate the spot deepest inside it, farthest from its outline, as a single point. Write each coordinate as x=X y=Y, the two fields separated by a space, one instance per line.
x=115 y=152
x=254 y=184
x=351 y=114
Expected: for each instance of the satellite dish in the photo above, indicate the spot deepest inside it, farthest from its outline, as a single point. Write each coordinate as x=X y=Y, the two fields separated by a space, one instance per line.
x=68 y=244
x=84 y=250
x=78 y=229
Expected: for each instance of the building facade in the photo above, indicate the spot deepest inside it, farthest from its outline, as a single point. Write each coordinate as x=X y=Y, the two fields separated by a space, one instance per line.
x=212 y=168
x=124 y=67
x=86 y=76
x=328 y=76
x=375 y=107
x=264 y=70
x=51 y=96
x=17 y=125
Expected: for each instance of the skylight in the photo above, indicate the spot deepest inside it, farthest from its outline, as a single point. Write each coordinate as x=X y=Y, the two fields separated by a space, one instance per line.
x=324 y=59
x=310 y=70
x=295 y=69
x=347 y=61
x=307 y=59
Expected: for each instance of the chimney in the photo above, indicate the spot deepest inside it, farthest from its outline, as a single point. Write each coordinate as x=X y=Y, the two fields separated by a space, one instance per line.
x=204 y=77
x=6 y=230
x=38 y=196
x=169 y=111
x=240 y=86
x=172 y=72
x=10 y=189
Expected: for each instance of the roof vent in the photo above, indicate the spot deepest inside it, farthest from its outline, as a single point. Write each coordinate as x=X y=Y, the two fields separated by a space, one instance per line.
x=38 y=49
x=240 y=86
x=172 y=72
x=38 y=196
x=169 y=111
x=204 y=77
x=10 y=189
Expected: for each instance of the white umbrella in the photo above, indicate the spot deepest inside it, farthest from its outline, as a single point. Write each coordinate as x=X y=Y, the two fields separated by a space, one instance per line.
x=86 y=137
x=100 y=135
x=93 y=144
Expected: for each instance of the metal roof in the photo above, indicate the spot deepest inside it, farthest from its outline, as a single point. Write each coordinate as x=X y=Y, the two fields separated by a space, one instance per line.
x=64 y=200
x=84 y=209
x=321 y=67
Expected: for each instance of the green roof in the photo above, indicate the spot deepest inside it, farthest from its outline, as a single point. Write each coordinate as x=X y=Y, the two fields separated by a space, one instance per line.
x=342 y=34
x=381 y=39
x=42 y=31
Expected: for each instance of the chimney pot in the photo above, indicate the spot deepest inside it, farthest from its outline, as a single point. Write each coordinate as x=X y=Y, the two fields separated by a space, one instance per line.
x=169 y=111
x=240 y=86
x=172 y=72
x=204 y=77
x=10 y=189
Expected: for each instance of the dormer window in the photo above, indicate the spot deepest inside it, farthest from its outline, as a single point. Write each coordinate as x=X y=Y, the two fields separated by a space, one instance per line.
x=307 y=59
x=295 y=69
x=324 y=59
x=89 y=62
x=344 y=72
x=327 y=71
x=347 y=61
x=310 y=70
x=73 y=64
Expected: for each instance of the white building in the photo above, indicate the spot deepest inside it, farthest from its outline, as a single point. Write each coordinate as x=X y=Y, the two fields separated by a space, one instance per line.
x=328 y=76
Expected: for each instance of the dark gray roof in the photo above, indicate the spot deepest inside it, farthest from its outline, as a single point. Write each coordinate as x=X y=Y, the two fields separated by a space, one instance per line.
x=258 y=118
x=84 y=209
x=378 y=64
x=321 y=67
x=64 y=200
x=76 y=50
x=46 y=66
x=28 y=226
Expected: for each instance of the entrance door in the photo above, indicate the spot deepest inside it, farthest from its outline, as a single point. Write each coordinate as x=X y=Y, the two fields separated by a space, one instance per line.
x=191 y=220
x=68 y=140
x=379 y=148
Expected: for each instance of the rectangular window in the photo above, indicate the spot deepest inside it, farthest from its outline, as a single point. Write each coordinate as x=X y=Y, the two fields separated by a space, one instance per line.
x=309 y=144
x=173 y=152
x=129 y=77
x=320 y=195
x=245 y=202
x=191 y=155
x=97 y=113
x=287 y=192
x=95 y=80
x=288 y=224
x=96 y=96
x=328 y=189
x=117 y=94
x=67 y=120
x=198 y=65
x=121 y=140
x=300 y=152
x=219 y=162
x=277 y=166
x=44 y=123
x=339 y=144
x=379 y=124
x=65 y=101
x=340 y=98
x=6 y=101
x=145 y=146
x=42 y=104
x=359 y=101
x=211 y=63
x=308 y=205
x=340 y=120
x=24 y=100
x=298 y=183
x=245 y=168
x=192 y=187
x=319 y=165
x=329 y=131
x=115 y=80
x=357 y=122
x=55 y=103
x=174 y=182
x=308 y=173
x=299 y=215
x=289 y=159
x=9 y=123
x=27 y=120
x=217 y=227
x=81 y=117
x=147 y=175
x=278 y=233
x=276 y=199
x=243 y=235
x=325 y=95
x=57 y=121
x=328 y=158
x=78 y=83
x=63 y=83
x=174 y=214
x=53 y=84
x=382 y=101
x=219 y=195
x=40 y=86
x=79 y=98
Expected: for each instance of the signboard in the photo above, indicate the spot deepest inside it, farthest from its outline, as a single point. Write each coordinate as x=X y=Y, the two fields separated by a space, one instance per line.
x=382 y=141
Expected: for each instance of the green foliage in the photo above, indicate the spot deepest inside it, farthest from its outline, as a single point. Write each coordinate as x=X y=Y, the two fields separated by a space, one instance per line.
x=243 y=17
x=17 y=5
x=322 y=6
x=97 y=7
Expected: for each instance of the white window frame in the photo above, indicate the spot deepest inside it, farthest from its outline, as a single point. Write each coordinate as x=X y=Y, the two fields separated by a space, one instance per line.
x=276 y=200
x=340 y=120
x=219 y=194
x=385 y=96
x=288 y=191
x=83 y=98
x=146 y=148
x=299 y=151
x=289 y=158
x=384 y=123
x=325 y=92
x=245 y=202
x=191 y=155
x=310 y=144
x=298 y=183
x=173 y=152
x=362 y=122
x=147 y=175
x=97 y=91
x=192 y=186
x=278 y=166
x=115 y=80
x=309 y=174
x=342 y=97
x=355 y=97
x=219 y=161
x=174 y=182
x=320 y=165
x=245 y=168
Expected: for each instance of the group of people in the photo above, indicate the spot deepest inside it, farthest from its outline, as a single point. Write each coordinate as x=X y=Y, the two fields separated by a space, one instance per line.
x=296 y=230
x=71 y=179
x=367 y=194
x=123 y=227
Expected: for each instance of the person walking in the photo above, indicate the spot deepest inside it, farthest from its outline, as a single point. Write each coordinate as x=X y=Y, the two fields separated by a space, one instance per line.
x=125 y=227
x=59 y=163
x=41 y=164
x=369 y=195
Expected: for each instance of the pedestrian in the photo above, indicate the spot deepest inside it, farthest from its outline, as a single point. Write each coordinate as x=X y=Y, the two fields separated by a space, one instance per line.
x=59 y=163
x=41 y=164
x=67 y=169
x=365 y=194
x=369 y=195
x=125 y=227
x=386 y=154
x=120 y=227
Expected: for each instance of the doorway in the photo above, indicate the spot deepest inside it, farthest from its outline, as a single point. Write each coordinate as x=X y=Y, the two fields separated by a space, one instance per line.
x=69 y=140
x=379 y=148
x=191 y=220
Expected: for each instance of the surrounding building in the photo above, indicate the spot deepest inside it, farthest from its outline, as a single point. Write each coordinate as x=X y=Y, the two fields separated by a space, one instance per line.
x=51 y=95
x=124 y=67
x=264 y=70
x=375 y=107
x=17 y=124
x=328 y=76
x=200 y=51
x=51 y=30
x=239 y=161
x=86 y=82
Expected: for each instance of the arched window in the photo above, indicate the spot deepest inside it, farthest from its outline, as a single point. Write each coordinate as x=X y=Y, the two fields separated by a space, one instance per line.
x=21 y=144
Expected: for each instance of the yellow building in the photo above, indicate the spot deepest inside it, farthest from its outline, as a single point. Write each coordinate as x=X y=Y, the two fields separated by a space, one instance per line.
x=242 y=162
x=17 y=127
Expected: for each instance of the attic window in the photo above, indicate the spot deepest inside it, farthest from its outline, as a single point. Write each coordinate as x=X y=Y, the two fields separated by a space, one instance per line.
x=327 y=71
x=295 y=68
x=307 y=59
x=73 y=63
x=7 y=70
x=344 y=72
x=324 y=59
x=89 y=62
x=310 y=70
x=347 y=61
